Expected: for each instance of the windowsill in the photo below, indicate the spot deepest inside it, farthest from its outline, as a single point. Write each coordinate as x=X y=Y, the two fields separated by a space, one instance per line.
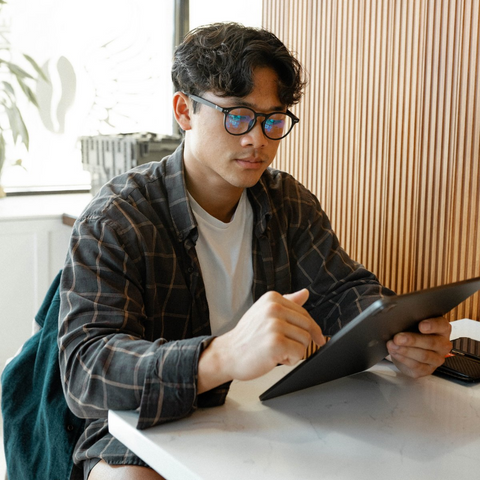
x=45 y=206
x=46 y=190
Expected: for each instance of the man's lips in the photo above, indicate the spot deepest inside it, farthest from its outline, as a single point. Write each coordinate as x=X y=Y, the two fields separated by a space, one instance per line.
x=250 y=162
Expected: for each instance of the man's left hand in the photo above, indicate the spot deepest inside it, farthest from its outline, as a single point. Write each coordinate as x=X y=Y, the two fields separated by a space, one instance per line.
x=419 y=354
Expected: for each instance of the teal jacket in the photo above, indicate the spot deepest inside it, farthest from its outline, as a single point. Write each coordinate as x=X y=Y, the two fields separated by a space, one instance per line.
x=39 y=430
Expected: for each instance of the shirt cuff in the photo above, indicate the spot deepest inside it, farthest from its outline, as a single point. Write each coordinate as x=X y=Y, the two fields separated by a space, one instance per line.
x=170 y=391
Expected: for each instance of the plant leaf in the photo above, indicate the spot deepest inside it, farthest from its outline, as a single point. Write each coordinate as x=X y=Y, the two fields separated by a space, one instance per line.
x=19 y=72
x=8 y=87
x=17 y=125
x=2 y=150
x=28 y=92
x=37 y=68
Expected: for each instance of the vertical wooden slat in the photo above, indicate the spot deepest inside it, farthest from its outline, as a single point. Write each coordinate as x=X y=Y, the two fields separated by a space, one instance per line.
x=389 y=138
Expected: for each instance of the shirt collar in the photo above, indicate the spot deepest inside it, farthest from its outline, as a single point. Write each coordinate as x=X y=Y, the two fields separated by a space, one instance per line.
x=182 y=216
x=261 y=204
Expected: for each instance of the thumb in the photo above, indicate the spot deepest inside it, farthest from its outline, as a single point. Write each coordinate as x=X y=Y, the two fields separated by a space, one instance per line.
x=299 y=297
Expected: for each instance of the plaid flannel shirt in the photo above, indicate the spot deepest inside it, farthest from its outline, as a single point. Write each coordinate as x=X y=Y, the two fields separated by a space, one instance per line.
x=134 y=315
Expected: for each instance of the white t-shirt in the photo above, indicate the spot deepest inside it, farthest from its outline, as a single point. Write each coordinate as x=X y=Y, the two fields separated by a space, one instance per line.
x=225 y=254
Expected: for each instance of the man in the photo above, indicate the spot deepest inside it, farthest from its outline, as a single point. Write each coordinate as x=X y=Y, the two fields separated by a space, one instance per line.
x=208 y=266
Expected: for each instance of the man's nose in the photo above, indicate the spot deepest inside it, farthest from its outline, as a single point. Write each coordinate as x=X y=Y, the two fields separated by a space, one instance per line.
x=255 y=136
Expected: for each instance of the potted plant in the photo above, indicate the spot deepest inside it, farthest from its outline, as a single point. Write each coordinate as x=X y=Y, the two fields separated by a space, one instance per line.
x=15 y=81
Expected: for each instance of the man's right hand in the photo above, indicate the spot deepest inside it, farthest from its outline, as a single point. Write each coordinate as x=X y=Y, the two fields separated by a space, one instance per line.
x=275 y=330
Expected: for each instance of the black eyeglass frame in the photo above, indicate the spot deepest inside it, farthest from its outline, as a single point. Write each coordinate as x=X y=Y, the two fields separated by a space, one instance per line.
x=266 y=116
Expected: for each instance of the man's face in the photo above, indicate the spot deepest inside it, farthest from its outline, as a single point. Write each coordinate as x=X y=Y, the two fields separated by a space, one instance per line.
x=214 y=159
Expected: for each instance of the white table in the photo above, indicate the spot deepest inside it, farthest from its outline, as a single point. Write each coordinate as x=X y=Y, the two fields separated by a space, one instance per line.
x=377 y=424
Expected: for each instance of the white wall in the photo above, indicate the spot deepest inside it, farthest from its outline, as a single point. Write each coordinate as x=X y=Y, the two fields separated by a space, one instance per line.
x=33 y=246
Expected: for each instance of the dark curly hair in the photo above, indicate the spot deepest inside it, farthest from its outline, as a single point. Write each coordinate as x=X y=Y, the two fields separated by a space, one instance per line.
x=221 y=58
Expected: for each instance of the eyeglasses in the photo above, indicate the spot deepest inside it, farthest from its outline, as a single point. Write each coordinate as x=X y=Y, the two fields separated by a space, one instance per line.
x=240 y=120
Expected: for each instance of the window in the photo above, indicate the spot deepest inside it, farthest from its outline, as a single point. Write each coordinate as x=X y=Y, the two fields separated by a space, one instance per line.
x=109 y=64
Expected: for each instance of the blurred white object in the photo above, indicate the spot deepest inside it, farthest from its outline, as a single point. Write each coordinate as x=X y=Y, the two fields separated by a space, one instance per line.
x=465 y=328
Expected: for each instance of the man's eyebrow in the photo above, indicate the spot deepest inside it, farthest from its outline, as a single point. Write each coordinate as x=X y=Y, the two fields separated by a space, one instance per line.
x=240 y=102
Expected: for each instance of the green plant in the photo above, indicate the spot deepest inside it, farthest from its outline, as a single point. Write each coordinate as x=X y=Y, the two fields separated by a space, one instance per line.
x=16 y=81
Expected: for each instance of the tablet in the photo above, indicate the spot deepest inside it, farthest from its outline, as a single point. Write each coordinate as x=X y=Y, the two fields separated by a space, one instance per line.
x=362 y=342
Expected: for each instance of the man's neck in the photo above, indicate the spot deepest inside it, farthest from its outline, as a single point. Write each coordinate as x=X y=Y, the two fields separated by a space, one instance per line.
x=221 y=205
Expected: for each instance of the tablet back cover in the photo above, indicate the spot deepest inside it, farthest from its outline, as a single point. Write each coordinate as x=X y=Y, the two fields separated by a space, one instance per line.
x=362 y=343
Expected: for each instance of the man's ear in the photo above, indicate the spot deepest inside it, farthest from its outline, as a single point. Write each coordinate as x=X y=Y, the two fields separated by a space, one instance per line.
x=182 y=110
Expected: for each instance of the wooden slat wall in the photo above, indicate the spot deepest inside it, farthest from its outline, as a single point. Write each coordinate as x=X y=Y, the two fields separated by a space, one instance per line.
x=389 y=138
